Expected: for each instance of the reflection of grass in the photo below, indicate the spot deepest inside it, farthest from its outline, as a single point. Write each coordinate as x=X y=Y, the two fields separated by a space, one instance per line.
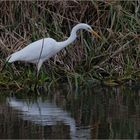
x=113 y=60
x=108 y=112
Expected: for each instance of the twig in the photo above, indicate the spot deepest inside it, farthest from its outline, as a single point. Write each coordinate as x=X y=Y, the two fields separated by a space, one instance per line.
x=116 y=52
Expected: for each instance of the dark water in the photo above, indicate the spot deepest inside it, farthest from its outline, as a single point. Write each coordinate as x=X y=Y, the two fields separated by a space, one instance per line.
x=99 y=112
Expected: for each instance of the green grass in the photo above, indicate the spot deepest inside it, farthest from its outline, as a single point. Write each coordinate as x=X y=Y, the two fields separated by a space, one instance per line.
x=113 y=60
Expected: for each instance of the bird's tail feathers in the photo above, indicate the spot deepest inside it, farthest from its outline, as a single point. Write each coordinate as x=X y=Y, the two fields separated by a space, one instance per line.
x=8 y=58
x=11 y=58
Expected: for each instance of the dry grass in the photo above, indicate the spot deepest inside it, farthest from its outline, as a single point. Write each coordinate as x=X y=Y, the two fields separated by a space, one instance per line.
x=116 y=56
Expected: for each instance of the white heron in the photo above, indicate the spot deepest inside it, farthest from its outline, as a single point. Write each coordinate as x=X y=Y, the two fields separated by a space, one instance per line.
x=41 y=50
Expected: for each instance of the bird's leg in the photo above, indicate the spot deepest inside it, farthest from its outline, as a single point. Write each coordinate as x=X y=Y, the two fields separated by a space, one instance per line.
x=36 y=80
x=37 y=72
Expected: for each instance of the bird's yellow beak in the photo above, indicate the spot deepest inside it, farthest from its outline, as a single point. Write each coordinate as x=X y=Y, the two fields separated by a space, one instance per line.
x=94 y=33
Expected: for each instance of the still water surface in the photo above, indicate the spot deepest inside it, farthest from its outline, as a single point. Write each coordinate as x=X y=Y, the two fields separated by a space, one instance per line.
x=98 y=112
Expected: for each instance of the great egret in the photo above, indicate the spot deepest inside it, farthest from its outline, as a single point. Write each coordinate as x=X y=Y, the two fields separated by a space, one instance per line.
x=41 y=50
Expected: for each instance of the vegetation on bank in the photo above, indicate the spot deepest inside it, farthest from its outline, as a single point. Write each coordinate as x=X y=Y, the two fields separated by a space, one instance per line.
x=112 y=60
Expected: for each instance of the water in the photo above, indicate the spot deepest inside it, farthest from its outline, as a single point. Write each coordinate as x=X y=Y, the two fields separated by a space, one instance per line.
x=99 y=112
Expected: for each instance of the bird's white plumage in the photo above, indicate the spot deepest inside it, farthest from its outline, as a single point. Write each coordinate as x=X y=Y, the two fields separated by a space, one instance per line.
x=41 y=50
x=32 y=52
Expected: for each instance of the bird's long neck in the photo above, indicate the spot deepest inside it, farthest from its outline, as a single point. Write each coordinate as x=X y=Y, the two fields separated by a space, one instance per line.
x=72 y=37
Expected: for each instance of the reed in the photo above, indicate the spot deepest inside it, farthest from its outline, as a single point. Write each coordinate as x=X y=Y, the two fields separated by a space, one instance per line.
x=112 y=60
